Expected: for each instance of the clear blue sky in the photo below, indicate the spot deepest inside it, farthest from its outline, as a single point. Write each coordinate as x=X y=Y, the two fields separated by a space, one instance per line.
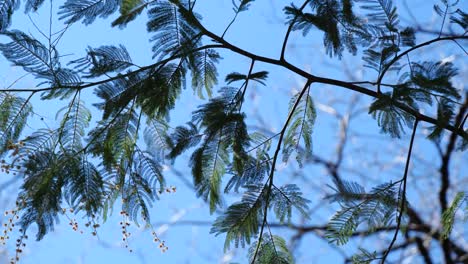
x=260 y=31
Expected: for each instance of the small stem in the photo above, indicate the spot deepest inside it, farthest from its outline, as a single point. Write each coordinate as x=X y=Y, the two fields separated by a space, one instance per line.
x=403 y=196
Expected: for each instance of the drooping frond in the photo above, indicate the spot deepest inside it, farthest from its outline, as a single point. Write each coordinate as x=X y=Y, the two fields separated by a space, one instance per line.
x=461 y=19
x=14 y=113
x=390 y=118
x=241 y=220
x=154 y=91
x=118 y=94
x=75 y=120
x=448 y=216
x=224 y=130
x=408 y=37
x=241 y=5
x=32 y=5
x=286 y=197
x=364 y=257
x=28 y=53
x=160 y=91
x=84 y=189
x=183 y=138
x=203 y=71
x=40 y=140
x=377 y=58
x=341 y=28
x=63 y=80
x=104 y=59
x=129 y=10
x=435 y=77
x=149 y=168
x=155 y=137
x=376 y=208
x=300 y=129
x=445 y=114
x=255 y=170
x=260 y=77
x=41 y=193
x=87 y=10
x=173 y=32
x=7 y=7
x=209 y=164
x=34 y=57
x=273 y=249
x=140 y=191
x=427 y=80
x=111 y=138
x=381 y=13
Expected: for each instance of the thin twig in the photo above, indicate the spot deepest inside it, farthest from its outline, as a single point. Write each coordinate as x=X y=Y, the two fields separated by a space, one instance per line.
x=403 y=195
x=272 y=169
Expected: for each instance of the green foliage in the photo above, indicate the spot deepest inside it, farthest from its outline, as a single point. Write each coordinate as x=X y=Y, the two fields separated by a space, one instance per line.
x=285 y=198
x=376 y=208
x=176 y=34
x=75 y=121
x=155 y=137
x=461 y=19
x=390 y=118
x=427 y=80
x=382 y=13
x=90 y=167
x=381 y=58
x=203 y=69
x=32 y=5
x=112 y=138
x=242 y=6
x=241 y=220
x=364 y=257
x=29 y=53
x=260 y=77
x=34 y=57
x=129 y=10
x=14 y=113
x=182 y=139
x=103 y=60
x=173 y=32
x=7 y=8
x=154 y=91
x=300 y=129
x=140 y=191
x=84 y=189
x=272 y=249
x=448 y=217
x=87 y=10
x=224 y=131
x=255 y=170
x=41 y=194
x=340 y=26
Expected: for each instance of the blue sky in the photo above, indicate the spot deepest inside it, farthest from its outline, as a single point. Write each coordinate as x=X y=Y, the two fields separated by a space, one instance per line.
x=260 y=31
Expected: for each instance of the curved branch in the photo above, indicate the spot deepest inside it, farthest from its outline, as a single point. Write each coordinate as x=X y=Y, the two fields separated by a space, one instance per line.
x=387 y=67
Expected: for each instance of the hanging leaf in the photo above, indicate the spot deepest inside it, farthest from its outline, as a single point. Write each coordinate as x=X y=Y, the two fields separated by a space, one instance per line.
x=129 y=10
x=241 y=220
x=272 y=249
x=300 y=129
x=87 y=10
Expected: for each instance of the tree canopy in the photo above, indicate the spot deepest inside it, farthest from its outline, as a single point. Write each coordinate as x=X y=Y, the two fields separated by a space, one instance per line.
x=113 y=153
